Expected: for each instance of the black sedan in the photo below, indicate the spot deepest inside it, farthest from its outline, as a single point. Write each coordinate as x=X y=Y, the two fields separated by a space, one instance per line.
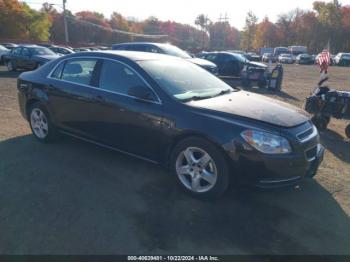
x=28 y=57
x=169 y=111
x=60 y=50
x=231 y=64
x=305 y=59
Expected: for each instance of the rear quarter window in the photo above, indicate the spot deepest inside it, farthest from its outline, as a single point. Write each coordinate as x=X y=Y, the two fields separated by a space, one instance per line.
x=78 y=71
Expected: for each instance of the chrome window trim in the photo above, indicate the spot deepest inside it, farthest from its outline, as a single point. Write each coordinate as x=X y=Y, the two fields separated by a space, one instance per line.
x=159 y=102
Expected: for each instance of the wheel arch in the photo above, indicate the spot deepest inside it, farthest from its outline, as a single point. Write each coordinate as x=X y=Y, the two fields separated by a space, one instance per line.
x=29 y=103
x=188 y=134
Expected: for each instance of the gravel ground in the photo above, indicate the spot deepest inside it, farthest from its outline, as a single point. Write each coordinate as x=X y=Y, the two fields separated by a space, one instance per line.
x=75 y=198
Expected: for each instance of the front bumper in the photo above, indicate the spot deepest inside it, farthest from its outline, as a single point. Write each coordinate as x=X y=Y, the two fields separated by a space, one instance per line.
x=290 y=177
x=269 y=171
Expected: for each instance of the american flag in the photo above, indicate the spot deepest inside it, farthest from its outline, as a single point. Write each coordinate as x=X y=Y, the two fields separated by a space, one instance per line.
x=324 y=61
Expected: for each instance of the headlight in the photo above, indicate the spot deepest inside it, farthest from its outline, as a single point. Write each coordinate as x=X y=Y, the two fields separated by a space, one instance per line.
x=266 y=143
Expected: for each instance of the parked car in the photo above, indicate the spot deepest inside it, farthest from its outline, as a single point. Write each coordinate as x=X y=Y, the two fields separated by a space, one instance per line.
x=286 y=59
x=231 y=64
x=252 y=56
x=80 y=49
x=9 y=45
x=166 y=49
x=28 y=57
x=61 y=50
x=277 y=51
x=167 y=110
x=297 y=50
x=342 y=59
x=3 y=52
x=267 y=56
x=305 y=59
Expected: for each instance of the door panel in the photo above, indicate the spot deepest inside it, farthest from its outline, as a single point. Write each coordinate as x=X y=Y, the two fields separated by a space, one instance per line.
x=71 y=97
x=128 y=124
x=131 y=124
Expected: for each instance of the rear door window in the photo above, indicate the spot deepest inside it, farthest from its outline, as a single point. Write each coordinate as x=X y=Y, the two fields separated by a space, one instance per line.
x=17 y=51
x=78 y=71
x=25 y=51
x=58 y=71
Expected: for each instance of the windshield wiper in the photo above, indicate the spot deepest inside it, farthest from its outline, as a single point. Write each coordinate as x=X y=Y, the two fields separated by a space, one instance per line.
x=226 y=91
x=223 y=92
x=195 y=98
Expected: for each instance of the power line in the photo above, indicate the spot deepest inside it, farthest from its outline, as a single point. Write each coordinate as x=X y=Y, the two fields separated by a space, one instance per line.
x=115 y=30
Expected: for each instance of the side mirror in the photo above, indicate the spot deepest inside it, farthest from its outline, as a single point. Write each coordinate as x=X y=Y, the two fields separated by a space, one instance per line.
x=141 y=92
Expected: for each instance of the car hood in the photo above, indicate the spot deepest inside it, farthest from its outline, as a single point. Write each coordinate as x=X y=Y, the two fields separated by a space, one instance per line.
x=201 y=62
x=257 y=64
x=256 y=107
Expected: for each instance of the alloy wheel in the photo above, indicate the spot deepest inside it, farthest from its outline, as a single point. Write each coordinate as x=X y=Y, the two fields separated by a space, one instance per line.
x=196 y=170
x=9 y=66
x=39 y=123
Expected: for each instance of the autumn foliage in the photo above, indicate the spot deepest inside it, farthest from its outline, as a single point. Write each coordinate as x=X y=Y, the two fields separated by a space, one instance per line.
x=328 y=23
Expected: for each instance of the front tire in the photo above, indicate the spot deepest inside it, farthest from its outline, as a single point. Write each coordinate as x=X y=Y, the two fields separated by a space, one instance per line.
x=10 y=66
x=321 y=122
x=40 y=124
x=200 y=168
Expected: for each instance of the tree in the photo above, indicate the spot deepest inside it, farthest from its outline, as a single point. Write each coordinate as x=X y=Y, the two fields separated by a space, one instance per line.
x=330 y=17
x=19 y=21
x=117 y=21
x=203 y=22
x=266 y=35
x=38 y=24
x=249 y=31
x=12 y=20
x=223 y=36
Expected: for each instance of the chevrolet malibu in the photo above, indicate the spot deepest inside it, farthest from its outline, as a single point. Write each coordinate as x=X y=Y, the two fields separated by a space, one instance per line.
x=169 y=111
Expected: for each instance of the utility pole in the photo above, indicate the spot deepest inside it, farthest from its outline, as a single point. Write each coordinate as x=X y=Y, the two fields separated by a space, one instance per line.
x=224 y=20
x=65 y=22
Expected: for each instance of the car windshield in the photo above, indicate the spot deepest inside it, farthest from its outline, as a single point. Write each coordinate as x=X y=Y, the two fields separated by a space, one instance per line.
x=2 y=48
x=42 y=51
x=175 y=51
x=184 y=80
x=240 y=58
x=346 y=56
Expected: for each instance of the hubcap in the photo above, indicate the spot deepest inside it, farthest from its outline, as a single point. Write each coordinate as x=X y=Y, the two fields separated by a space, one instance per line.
x=9 y=66
x=196 y=170
x=39 y=123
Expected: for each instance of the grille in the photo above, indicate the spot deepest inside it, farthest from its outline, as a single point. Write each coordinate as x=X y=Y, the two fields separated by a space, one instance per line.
x=311 y=153
x=307 y=134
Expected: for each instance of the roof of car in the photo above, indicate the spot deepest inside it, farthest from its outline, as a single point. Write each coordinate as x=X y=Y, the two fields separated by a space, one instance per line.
x=30 y=46
x=142 y=43
x=131 y=55
x=225 y=53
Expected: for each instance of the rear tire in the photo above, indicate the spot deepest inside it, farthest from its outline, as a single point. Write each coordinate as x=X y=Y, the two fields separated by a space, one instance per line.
x=40 y=123
x=200 y=168
x=347 y=130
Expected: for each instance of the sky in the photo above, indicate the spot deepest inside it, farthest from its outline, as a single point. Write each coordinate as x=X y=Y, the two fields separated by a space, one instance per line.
x=185 y=11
